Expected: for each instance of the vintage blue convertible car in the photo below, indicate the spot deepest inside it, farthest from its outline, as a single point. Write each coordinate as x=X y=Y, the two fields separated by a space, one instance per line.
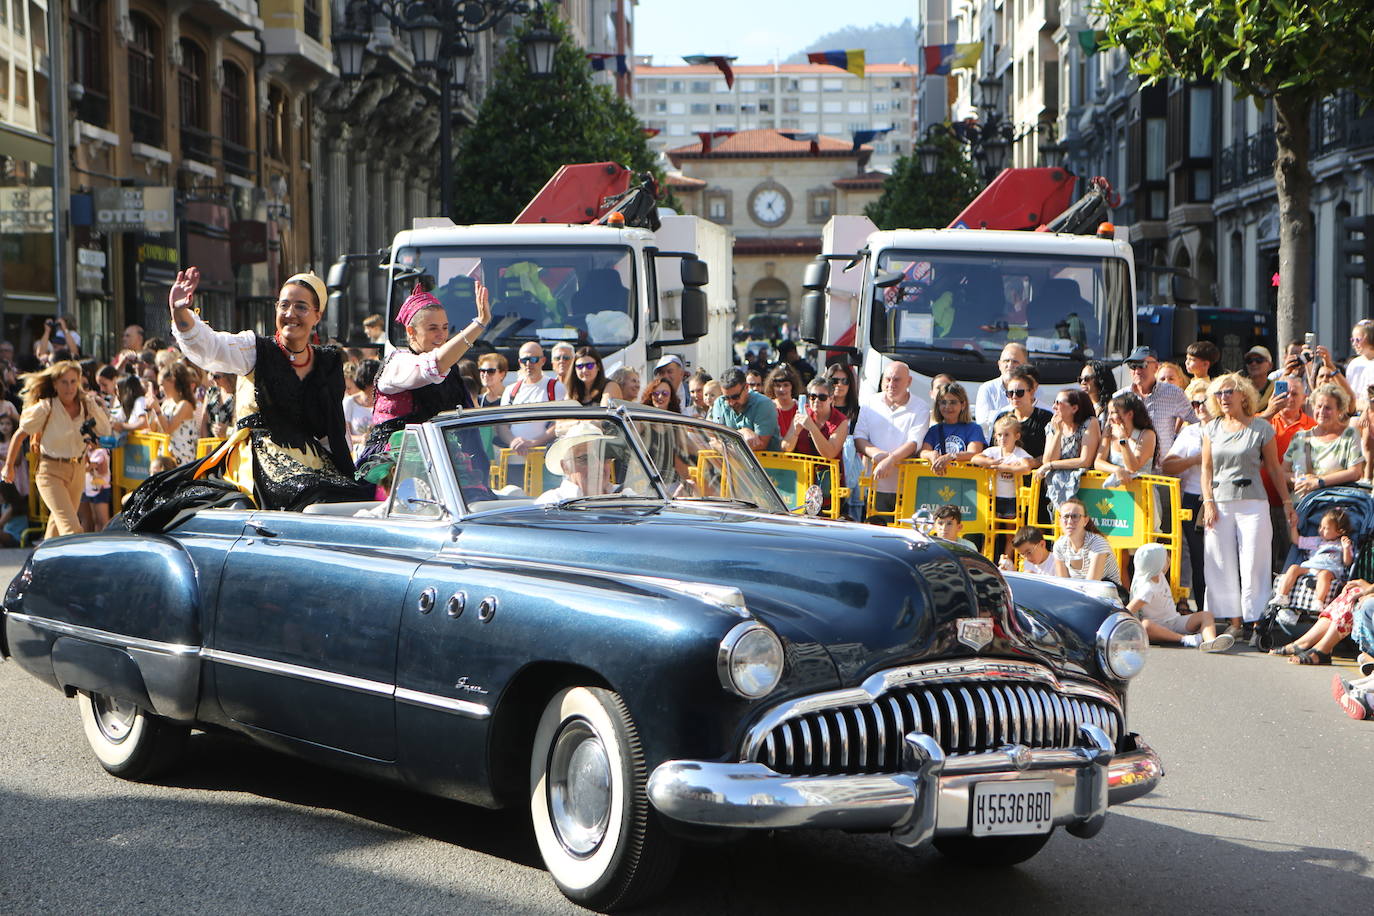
x=623 y=629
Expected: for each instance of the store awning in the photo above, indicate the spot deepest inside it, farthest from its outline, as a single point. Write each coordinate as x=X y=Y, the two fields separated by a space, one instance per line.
x=21 y=144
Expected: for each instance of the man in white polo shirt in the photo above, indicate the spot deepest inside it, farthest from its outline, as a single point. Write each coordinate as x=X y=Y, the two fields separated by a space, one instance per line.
x=531 y=386
x=889 y=431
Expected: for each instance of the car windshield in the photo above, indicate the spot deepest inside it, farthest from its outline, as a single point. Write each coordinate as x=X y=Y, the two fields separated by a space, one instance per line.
x=579 y=293
x=954 y=311
x=589 y=458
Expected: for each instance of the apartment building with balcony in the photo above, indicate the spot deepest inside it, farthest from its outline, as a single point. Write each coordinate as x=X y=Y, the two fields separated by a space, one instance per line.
x=682 y=101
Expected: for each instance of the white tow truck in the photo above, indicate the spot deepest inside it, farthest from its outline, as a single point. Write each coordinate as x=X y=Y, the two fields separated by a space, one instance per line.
x=632 y=293
x=948 y=301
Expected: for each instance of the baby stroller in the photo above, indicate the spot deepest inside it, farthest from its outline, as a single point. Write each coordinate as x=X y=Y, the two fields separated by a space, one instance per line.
x=1281 y=624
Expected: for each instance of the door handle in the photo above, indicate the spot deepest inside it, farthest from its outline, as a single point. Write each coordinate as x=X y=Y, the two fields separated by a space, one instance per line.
x=262 y=530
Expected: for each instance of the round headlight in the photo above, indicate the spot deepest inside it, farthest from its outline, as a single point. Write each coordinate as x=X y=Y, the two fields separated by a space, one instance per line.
x=750 y=660
x=1121 y=646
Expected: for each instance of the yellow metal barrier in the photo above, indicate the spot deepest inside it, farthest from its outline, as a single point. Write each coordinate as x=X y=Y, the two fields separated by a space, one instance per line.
x=532 y=480
x=38 y=511
x=130 y=463
x=972 y=489
x=207 y=446
x=1129 y=516
x=793 y=475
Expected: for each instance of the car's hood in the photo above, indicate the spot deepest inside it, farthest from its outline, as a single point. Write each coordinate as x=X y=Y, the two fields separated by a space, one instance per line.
x=869 y=597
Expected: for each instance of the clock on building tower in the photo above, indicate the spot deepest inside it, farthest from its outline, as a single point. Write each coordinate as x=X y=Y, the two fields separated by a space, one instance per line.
x=770 y=204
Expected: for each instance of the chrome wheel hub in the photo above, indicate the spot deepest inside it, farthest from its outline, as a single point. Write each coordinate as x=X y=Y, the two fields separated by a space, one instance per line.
x=579 y=781
x=114 y=717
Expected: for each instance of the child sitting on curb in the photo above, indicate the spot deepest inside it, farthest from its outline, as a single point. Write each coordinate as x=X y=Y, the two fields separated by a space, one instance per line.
x=1153 y=603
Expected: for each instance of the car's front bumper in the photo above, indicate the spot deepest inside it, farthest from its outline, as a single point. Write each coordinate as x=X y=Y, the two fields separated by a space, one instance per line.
x=930 y=798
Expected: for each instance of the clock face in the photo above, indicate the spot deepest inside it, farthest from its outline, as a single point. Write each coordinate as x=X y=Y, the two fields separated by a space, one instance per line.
x=770 y=206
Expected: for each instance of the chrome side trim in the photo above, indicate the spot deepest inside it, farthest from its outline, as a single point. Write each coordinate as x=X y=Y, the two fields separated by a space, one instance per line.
x=348 y=682
x=300 y=672
x=103 y=636
x=447 y=704
x=954 y=673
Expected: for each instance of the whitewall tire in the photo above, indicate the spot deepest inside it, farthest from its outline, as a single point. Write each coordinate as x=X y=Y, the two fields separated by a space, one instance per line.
x=599 y=838
x=129 y=741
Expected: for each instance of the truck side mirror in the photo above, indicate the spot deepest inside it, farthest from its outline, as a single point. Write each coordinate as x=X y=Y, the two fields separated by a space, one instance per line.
x=813 y=316
x=695 y=273
x=888 y=278
x=693 y=311
x=339 y=276
x=816 y=276
x=1184 y=289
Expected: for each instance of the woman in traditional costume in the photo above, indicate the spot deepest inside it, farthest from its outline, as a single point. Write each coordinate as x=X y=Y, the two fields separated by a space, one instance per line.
x=291 y=445
x=417 y=382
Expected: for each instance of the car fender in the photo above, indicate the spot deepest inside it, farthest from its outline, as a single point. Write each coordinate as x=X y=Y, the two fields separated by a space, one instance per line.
x=138 y=635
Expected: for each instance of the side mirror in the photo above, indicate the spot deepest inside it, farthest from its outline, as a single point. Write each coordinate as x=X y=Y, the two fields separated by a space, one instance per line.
x=339 y=276
x=888 y=278
x=693 y=312
x=816 y=275
x=695 y=273
x=1184 y=289
x=813 y=316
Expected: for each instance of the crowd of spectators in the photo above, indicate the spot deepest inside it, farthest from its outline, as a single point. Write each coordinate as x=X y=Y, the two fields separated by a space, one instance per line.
x=1245 y=446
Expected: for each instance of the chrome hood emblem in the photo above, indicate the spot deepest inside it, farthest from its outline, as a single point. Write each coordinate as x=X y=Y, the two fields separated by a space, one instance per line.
x=975 y=632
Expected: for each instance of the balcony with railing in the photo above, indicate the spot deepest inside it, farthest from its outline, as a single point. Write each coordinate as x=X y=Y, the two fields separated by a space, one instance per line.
x=1247 y=160
x=238 y=159
x=146 y=127
x=196 y=144
x=94 y=108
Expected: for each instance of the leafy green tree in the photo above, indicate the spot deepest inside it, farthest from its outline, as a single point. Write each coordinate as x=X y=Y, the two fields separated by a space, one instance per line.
x=912 y=199
x=528 y=126
x=1289 y=52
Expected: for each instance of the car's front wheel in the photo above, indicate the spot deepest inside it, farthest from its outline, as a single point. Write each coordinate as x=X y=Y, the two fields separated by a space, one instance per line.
x=991 y=851
x=599 y=838
x=130 y=742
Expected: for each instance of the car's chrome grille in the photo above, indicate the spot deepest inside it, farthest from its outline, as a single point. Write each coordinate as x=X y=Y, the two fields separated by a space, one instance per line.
x=964 y=718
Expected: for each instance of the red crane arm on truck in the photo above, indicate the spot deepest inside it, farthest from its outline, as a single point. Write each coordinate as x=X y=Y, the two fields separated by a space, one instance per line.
x=1019 y=199
x=593 y=192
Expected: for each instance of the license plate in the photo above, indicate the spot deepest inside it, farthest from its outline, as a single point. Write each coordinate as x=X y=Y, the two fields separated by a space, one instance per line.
x=1001 y=807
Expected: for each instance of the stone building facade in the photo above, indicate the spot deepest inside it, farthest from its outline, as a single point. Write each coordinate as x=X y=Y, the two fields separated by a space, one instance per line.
x=775 y=194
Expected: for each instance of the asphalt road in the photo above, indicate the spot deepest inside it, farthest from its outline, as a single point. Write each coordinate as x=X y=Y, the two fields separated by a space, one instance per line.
x=1257 y=814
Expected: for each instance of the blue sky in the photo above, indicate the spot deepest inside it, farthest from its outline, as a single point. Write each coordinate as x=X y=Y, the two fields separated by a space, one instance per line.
x=754 y=30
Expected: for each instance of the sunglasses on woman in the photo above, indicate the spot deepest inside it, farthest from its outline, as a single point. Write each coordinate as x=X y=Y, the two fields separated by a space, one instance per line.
x=584 y=366
x=838 y=380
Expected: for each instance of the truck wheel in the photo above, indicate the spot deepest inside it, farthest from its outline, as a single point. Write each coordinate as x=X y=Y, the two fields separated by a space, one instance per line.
x=128 y=741
x=600 y=840
x=991 y=851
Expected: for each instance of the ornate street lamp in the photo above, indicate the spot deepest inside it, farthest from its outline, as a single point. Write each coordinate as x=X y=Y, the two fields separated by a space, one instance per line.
x=438 y=33
x=991 y=89
x=929 y=155
x=351 y=45
x=459 y=55
x=995 y=150
x=539 y=45
x=426 y=36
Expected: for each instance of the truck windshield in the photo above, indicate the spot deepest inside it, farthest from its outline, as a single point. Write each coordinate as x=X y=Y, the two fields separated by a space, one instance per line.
x=581 y=294
x=954 y=311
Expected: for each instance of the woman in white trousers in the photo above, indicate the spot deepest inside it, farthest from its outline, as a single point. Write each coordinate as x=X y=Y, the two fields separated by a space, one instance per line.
x=1235 y=511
